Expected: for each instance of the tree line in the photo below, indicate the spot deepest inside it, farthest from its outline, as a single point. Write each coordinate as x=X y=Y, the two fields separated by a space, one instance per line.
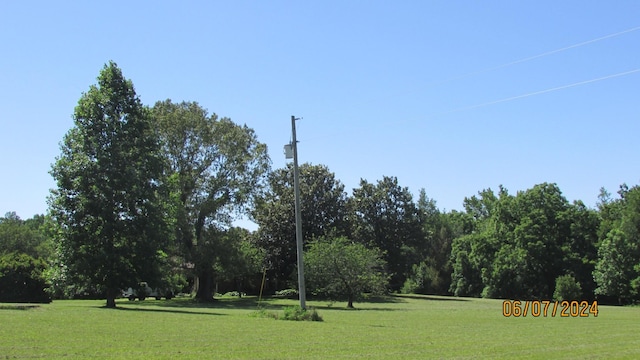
x=150 y=194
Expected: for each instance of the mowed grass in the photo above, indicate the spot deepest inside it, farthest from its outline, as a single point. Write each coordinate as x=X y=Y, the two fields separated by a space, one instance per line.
x=395 y=327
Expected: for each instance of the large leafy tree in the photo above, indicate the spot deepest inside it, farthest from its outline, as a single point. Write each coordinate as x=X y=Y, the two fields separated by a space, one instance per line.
x=108 y=201
x=323 y=209
x=617 y=271
x=384 y=216
x=433 y=274
x=342 y=269
x=522 y=244
x=217 y=168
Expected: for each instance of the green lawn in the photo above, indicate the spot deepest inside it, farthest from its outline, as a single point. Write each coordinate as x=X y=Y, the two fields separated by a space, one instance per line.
x=391 y=328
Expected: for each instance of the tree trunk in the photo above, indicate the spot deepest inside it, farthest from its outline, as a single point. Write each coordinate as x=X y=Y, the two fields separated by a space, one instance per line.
x=111 y=298
x=205 y=285
x=350 y=304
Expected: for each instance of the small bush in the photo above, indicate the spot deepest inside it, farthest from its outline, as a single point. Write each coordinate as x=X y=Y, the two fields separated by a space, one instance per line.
x=409 y=287
x=567 y=288
x=294 y=313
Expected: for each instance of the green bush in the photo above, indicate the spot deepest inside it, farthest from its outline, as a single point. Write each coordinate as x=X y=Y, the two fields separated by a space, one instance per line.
x=567 y=288
x=22 y=279
x=294 y=313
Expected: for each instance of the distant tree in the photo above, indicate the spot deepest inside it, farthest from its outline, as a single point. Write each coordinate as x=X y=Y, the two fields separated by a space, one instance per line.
x=238 y=259
x=617 y=271
x=108 y=202
x=384 y=216
x=323 y=209
x=580 y=251
x=470 y=257
x=521 y=244
x=342 y=269
x=217 y=168
x=24 y=236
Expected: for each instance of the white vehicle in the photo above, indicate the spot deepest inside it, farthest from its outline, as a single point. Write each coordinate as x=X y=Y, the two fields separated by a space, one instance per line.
x=144 y=290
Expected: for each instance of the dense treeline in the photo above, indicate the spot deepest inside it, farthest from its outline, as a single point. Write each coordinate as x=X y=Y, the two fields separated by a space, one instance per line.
x=150 y=194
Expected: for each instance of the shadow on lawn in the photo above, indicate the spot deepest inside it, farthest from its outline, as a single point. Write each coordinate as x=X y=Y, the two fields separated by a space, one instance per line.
x=430 y=297
x=189 y=303
x=160 y=310
x=252 y=303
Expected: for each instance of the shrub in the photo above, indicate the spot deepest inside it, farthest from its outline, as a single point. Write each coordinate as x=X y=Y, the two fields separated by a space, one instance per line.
x=567 y=288
x=22 y=279
x=294 y=313
x=297 y=313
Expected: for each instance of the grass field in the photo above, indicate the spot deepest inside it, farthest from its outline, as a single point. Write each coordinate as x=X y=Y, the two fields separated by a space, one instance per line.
x=396 y=327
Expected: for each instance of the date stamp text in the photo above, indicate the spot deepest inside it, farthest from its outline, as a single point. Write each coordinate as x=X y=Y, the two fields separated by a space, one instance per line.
x=547 y=308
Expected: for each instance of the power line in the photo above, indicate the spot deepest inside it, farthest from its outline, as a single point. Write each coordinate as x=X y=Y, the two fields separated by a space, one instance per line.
x=541 y=91
x=482 y=71
x=529 y=58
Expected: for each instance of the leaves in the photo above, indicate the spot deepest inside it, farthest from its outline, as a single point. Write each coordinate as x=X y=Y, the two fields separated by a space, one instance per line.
x=108 y=200
x=339 y=268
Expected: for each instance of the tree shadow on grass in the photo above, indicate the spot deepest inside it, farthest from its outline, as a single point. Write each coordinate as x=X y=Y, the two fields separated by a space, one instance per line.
x=190 y=303
x=161 y=310
x=429 y=297
x=18 y=306
x=355 y=307
x=275 y=303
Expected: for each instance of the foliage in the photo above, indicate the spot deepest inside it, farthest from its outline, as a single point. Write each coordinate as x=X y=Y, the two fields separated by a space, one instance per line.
x=22 y=279
x=339 y=268
x=433 y=274
x=384 y=216
x=217 y=168
x=292 y=313
x=25 y=236
x=296 y=313
x=108 y=200
x=323 y=211
x=617 y=272
x=615 y=268
x=521 y=244
x=567 y=288
x=237 y=259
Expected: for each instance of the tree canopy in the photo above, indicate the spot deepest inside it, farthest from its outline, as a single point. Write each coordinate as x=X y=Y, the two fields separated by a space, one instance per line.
x=109 y=200
x=323 y=213
x=342 y=269
x=217 y=168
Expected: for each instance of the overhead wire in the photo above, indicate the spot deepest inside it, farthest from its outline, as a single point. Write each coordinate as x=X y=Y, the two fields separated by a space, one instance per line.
x=541 y=91
x=526 y=59
x=529 y=58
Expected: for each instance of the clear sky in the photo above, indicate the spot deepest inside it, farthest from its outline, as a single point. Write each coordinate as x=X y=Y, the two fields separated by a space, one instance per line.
x=450 y=96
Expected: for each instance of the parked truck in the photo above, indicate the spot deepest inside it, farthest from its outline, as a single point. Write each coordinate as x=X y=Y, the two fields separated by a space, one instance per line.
x=144 y=290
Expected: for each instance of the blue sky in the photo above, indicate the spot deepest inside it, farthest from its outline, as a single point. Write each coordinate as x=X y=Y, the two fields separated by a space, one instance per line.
x=431 y=92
